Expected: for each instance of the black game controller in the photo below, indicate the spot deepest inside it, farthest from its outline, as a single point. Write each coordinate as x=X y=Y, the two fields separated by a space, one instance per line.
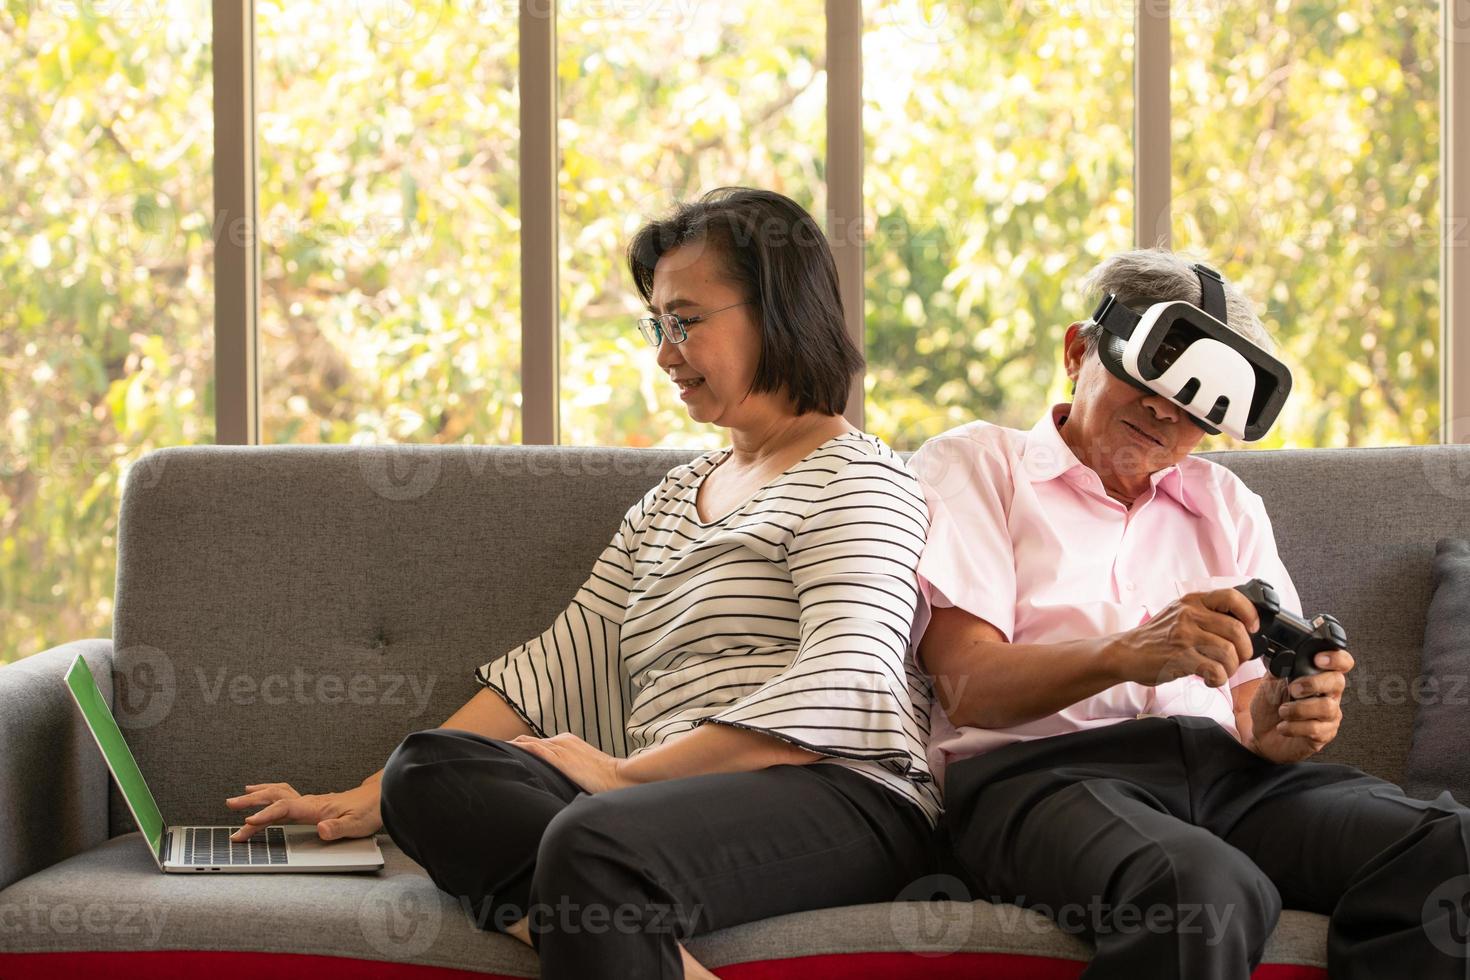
x=1289 y=643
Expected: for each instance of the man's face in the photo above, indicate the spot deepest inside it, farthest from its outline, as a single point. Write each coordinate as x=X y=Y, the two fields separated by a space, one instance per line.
x=1121 y=432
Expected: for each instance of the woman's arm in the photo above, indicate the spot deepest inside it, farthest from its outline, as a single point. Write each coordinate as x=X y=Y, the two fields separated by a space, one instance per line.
x=714 y=748
x=484 y=714
x=531 y=682
x=354 y=812
x=706 y=749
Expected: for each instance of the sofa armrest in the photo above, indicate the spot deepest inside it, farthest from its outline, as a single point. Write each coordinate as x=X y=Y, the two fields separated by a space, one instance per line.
x=53 y=782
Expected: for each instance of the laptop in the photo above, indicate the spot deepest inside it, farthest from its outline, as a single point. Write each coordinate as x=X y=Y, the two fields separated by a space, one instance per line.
x=291 y=847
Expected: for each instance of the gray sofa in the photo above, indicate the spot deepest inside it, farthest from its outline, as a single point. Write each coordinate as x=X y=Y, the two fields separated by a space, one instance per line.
x=290 y=613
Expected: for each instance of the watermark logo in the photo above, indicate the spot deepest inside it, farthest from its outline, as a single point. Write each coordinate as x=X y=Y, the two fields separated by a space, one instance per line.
x=928 y=21
x=1456 y=20
x=146 y=686
x=1446 y=917
x=399 y=21
x=132 y=14
x=400 y=472
x=1448 y=469
x=923 y=920
x=145 y=472
x=401 y=916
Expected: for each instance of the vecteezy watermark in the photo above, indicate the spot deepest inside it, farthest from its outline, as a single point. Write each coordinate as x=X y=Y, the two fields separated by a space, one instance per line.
x=944 y=21
x=401 y=916
x=35 y=917
x=1214 y=213
x=301 y=687
x=1096 y=917
x=408 y=471
x=133 y=14
x=39 y=457
x=567 y=917
x=932 y=916
x=1370 y=688
x=1446 y=917
x=148 y=687
x=415 y=21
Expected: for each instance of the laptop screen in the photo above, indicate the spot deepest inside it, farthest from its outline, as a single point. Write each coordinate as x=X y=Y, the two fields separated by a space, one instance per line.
x=115 y=749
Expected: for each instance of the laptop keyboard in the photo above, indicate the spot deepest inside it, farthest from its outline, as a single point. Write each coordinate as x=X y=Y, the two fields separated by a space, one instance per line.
x=212 y=846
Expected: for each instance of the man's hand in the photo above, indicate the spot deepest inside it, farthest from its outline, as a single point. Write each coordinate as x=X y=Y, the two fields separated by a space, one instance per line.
x=1292 y=723
x=1206 y=634
x=581 y=762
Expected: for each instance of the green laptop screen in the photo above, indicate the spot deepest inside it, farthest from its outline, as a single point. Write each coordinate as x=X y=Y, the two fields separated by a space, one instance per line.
x=119 y=756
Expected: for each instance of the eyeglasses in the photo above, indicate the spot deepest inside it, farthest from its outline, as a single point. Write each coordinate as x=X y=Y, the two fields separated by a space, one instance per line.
x=674 y=326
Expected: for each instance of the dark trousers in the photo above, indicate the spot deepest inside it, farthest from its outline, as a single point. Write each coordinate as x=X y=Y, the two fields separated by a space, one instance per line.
x=612 y=882
x=1174 y=848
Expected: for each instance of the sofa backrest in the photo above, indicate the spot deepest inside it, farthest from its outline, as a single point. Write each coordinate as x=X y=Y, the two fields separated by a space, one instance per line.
x=291 y=613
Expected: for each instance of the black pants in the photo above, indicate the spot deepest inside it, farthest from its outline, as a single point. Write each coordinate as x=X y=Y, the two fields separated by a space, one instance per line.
x=1174 y=848
x=612 y=882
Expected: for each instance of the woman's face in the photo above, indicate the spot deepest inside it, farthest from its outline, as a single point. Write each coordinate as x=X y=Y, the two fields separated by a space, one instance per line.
x=716 y=363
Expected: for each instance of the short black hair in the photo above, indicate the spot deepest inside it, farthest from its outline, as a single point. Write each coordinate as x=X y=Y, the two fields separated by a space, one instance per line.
x=776 y=254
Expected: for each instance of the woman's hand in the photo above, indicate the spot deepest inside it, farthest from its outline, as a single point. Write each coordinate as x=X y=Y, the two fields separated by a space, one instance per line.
x=584 y=764
x=1293 y=723
x=350 y=814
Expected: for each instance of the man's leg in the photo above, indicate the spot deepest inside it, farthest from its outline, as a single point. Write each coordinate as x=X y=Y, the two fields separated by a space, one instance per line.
x=1092 y=830
x=623 y=876
x=1393 y=872
x=471 y=811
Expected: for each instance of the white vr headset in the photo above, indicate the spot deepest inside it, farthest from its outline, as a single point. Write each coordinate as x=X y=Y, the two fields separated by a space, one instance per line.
x=1187 y=354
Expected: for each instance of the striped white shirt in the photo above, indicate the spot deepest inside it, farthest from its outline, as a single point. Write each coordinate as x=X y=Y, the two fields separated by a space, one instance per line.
x=791 y=616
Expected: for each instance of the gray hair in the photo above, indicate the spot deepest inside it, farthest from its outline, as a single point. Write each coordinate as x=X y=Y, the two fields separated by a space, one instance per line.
x=1155 y=275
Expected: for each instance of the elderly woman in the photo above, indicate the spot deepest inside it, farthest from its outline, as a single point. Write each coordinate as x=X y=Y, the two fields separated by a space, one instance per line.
x=725 y=723
x=1111 y=752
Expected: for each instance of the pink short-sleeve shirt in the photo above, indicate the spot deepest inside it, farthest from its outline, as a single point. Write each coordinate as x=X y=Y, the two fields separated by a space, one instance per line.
x=1023 y=536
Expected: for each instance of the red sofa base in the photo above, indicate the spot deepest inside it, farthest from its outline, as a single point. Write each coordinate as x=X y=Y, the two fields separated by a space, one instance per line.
x=190 y=965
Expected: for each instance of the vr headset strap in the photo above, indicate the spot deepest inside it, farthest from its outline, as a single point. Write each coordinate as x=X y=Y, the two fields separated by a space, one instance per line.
x=1212 y=291
x=1120 y=321
x=1115 y=318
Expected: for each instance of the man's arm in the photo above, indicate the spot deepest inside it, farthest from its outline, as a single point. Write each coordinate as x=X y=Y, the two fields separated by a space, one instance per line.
x=986 y=682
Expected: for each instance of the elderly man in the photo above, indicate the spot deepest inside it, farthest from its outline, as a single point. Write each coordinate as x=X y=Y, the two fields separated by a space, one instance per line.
x=1112 y=755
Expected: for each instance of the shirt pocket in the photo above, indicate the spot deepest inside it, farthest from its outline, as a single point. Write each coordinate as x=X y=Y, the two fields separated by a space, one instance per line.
x=1207 y=583
x=1171 y=590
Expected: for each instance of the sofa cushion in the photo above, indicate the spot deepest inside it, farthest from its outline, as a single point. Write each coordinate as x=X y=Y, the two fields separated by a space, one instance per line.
x=1438 y=759
x=112 y=900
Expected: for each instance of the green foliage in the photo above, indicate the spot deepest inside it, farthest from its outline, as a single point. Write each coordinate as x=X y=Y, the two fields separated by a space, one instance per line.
x=998 y=170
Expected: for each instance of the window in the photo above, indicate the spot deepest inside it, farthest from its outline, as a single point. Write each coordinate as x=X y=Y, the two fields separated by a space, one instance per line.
x=659 y=103
x=387 y=140
x=107 y=318
x=1306 y=161
x=999 y=170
